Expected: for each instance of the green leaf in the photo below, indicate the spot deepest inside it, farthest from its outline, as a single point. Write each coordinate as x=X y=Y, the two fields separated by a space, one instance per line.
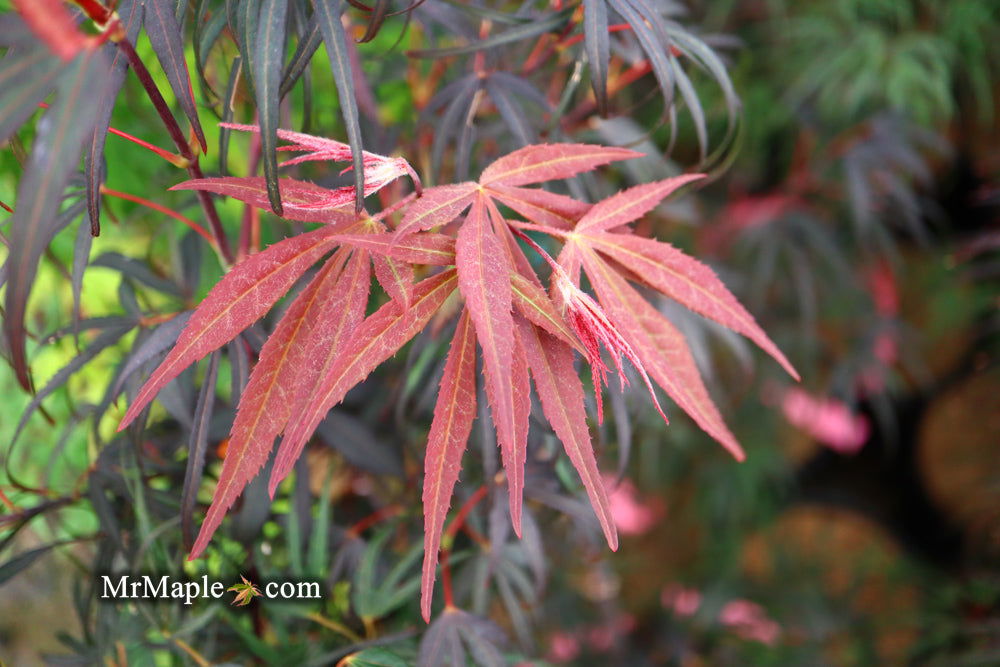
x=26 y=77
x=167 y=38
x=597 y=46
x=54 y=156
x=373 y=657
x=328 y=13
x=22 y=562
x=268 y=60
x=520 y=33
x=374 y=596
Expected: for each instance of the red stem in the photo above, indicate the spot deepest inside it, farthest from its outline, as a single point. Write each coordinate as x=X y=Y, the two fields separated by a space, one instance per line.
x=576 y=39
x=7 y=501
x=449 y=596
x=537 y=248
x=375 y=517
x=246 y=227
x=453 y=528
x=97 y=12
x=161 y=209
x=172 y=158
x=174 y=130
x=156 y=98
x=469 y=505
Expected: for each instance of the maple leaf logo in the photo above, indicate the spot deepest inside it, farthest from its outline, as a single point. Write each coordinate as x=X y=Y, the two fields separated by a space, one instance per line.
x=245 y=592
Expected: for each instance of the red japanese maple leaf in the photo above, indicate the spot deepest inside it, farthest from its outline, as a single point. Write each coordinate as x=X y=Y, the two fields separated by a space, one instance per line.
x=324 y=345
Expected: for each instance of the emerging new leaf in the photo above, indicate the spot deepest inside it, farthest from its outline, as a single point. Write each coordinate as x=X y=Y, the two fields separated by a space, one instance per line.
x=380 y=170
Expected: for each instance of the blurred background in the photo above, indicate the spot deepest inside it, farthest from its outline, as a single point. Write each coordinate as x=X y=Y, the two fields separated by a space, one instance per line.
x=853 y=207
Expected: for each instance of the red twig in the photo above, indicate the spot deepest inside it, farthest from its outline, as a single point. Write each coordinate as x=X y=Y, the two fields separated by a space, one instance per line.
x=251 y=215
x=174 y=130
x=375 y=517
x=449 y=595
x=576 y=39
x=469 y=505
x=172 y=158
x=7 y=501
x=161 y=209
x=156 y=97
x=453 y=528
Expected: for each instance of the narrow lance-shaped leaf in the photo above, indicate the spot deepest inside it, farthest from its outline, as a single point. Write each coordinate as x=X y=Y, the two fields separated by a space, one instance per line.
x=372 y=342
x=546 y=162
x=341 y=316
x=22 y=562
x=105 y=339
x=662 y=348
x=511 y=112
x=379 y=12
x=159 y=339
x=522 y=32
x=328 y=14
x=137 y=271
x=597 y=45
x=55 y=154
x=81 y=254
x=304 y=50
x=380 y=170
x=631 y=204
x=229 y=111
x=270 y=55
x=206 y=34
x=484 y=279
x=453 y=416
x=239 y=351
x=246 y=15
x=197 y=444
x=242 y=297
x=130 y=13
x=561 y=394
x=27 y=75
x=648 y=30
x=167 y=39
x=687 y=281
x=265 y=407
x=527 y=292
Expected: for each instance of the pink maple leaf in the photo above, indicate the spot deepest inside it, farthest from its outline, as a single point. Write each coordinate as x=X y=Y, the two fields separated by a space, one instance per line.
x=591 y=325
x=380 y=170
